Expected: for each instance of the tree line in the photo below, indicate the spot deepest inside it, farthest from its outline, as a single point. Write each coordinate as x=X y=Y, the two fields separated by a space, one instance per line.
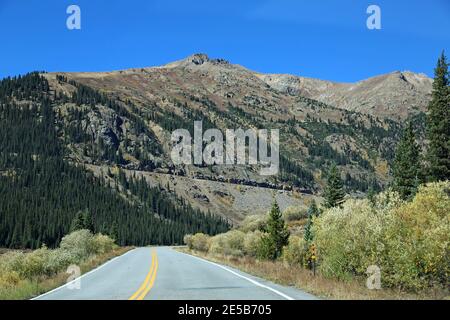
x=41 y=194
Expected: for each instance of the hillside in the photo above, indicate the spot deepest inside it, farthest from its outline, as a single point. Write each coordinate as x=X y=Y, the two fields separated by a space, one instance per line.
x=41 y=193
x=225 y=95
x=110 y=133
x=396 y=95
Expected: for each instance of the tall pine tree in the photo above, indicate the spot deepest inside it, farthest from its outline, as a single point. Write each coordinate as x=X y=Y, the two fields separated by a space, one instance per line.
x=277 y=236
x=438 y=124
x=334 y=191
x=406 y=168
x=313 y=211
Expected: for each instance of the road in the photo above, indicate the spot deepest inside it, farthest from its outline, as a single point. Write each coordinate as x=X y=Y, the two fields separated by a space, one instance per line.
x=163 y=273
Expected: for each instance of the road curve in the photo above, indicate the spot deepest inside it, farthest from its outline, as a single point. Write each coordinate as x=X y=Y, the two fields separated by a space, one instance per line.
x=162 y=273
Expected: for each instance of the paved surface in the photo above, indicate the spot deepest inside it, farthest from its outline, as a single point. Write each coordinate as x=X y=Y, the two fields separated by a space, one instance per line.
x=165 y=274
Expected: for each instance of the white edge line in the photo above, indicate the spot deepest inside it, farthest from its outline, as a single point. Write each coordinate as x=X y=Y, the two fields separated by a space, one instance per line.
x=243 y=277
x=82 y=276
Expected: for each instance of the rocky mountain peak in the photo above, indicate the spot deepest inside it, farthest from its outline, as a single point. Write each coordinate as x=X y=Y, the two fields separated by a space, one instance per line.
x=198 y=58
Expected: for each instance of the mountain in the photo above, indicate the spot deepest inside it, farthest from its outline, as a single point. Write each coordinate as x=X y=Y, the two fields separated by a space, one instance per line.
x=41 y=192
x=114 y=130
x=395 y=95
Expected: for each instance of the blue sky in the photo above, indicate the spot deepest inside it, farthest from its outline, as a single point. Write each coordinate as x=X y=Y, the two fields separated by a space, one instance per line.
x=325 y=39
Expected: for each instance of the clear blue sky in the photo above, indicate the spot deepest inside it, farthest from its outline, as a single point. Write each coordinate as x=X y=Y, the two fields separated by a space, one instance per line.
x=325 y=39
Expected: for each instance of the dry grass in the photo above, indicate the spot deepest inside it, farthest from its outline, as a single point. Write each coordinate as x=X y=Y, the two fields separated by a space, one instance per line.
x=27 y=289
x=303 y=279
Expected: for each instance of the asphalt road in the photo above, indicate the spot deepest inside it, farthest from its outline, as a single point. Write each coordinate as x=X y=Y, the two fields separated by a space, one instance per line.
x=165 y=274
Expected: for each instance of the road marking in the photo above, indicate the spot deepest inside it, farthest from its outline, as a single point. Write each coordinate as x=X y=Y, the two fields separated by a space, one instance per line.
x=82 y=276
x=152 y=281
x=243 y=277
x=149 y=281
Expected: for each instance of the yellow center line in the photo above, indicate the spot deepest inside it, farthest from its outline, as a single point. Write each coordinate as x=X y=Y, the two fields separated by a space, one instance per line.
x=147 y=285
x=152 y=281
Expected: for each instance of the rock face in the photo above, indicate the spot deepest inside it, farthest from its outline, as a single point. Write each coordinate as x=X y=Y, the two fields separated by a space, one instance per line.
x=354 y=125
x=395 y=95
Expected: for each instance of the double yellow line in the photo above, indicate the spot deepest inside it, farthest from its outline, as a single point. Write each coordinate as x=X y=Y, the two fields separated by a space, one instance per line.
x=147 y=285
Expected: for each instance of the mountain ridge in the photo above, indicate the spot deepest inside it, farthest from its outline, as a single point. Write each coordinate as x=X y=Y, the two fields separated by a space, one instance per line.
x=125 y=118
x=393 y=95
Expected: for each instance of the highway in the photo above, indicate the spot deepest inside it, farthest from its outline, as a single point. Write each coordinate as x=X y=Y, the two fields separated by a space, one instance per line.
x=162 y=273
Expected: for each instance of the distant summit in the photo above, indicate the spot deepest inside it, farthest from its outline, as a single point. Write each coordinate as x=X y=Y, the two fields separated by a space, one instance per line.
x=197 y=59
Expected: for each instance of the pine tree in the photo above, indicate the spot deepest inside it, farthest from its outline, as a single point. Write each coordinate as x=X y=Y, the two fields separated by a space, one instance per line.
x=438 y=124
x=114 y=231
x=277 y=236
x=406 y=168
x=334 y=191
x=77 y=222
x=313 y=211
x=82 y=221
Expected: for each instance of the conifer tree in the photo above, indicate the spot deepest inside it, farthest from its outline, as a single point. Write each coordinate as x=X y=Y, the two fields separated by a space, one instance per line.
x=334 y=191
x=313 y=211
x=277 y=235
x=438 y=124
x=82 y=221
x=406 y=168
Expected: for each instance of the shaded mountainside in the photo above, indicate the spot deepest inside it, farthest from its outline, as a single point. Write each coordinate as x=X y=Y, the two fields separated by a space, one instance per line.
x=313 y=133
x=112 y=130
x=41 y=193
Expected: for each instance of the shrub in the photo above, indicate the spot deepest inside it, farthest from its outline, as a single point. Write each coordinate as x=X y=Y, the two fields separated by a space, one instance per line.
x=252 y=241
x=422 y=228
x=9 y=279
x=35 y=263
x=294 y=214
x=74 y=248
x=102 y=244
x=59 y=260
x=200 y=242
x=253 y=223
x=408 y=241
x=79 y=244
x=296 y=252
x=347 y=239
x=12 y=261
x=230 y=243
x=188 y=240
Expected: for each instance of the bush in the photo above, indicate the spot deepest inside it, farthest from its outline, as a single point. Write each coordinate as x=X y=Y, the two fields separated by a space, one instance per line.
x=74 y=248
x=253 y=223
x=199 y=242
x=12 y=261
x=409 y=242
x=422 y=229
x=102 y=244
x=187 y=239
x=230 y=243
x=347 y=239
x=59 y=260
x=294 y=214
x=79 y=243
x=35 y=263
x=296 y=252
x=252 y=241
x=9 y=279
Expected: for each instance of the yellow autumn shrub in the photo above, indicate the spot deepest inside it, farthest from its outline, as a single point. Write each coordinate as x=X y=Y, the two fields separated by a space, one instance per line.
x=296 y=252
x=230 y=243
x=408 y=241
x=198 y=242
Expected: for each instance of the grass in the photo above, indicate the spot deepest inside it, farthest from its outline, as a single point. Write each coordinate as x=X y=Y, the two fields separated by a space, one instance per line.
x=303 y=279
x=29 y=288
